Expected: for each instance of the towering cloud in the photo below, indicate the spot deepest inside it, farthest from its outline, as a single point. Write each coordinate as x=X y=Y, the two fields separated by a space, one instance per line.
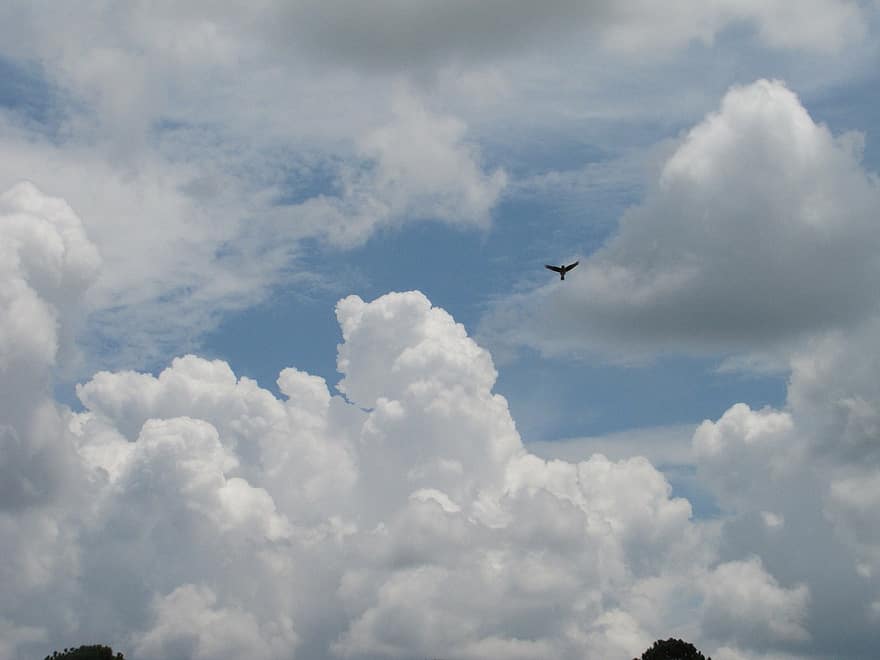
x=194 y=513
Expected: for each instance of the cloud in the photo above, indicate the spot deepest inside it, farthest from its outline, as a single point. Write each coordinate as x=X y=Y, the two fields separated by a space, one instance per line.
x=852 y=505
x=428 y=33
x=225 y=136
x=395 y=36
x=214 y=164
x=204 y=516
x=46 y=264
x=190 y=229
x=733 y=653
x=743 y=601
x=190 y=626
x=192 y=513
x=799 y=487
x=824 y=26
x=721 y=257
x=161 y=247
x=12 y=636
x=819 y=24
x=740 y=444
x=418 y=167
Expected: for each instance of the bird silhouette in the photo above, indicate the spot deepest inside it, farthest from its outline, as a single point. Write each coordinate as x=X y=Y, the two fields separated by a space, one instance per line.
x=562 y=270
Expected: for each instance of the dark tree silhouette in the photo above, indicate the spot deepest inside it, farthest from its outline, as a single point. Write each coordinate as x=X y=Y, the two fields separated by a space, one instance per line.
x=672 y=649
x=94 y=652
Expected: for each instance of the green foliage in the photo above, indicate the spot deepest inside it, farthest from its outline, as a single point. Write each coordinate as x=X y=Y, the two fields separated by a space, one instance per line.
x=672 y=649
x=93 y=652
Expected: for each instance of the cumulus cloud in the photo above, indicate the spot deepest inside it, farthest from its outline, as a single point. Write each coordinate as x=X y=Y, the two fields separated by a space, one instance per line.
x=836 y=405
x=192 y=513
x=742 y=600
x=46 y=264
x=742 y=443
x=189 y=625
x=204 y=516
x=799 y=486
x=170 y=235
x=722 y=255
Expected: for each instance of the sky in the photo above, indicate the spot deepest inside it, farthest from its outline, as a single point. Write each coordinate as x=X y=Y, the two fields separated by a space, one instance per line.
x=283 y=376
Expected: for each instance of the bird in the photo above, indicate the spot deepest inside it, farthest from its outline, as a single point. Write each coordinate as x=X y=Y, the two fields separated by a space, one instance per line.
x=562 y=270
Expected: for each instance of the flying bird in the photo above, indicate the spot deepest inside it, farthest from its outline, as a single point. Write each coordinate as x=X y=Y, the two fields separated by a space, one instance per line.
x=562 y=270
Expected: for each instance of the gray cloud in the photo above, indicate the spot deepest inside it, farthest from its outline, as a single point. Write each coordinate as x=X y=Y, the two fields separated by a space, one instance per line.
x=799 y=485
x=392 y=35
x=201 y=120
x=395 y=35
x=757 y=232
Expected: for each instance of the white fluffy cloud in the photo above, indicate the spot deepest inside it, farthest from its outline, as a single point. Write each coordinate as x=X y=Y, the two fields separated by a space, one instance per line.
x=198 y=515
x=46 y=263
x=202 y=516
x=194 y=514
x=758 y=231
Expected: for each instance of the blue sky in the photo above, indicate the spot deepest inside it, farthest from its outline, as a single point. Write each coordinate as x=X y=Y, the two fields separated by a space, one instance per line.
x=211 y=217
x=460 y=271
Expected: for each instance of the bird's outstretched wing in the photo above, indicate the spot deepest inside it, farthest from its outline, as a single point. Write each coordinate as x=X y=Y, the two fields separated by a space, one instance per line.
x=554 y=268
x=570 y=266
